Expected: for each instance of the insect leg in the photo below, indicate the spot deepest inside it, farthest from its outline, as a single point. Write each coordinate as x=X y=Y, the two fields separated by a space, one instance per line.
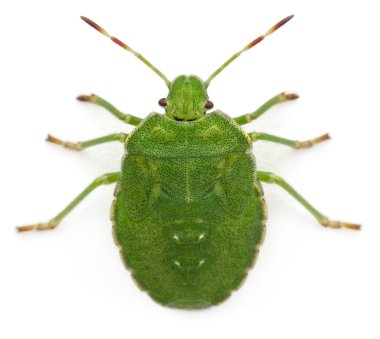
x=292 y=143
x=108 y=178
x=127 y=118
x=80 y=145
x=246 y=118
x=323 y=220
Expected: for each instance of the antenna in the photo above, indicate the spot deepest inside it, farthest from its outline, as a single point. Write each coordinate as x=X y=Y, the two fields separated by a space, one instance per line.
x=249 y=46
x=126 y=47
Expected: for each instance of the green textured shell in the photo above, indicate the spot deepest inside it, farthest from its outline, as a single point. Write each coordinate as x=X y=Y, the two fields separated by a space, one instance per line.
x=188 y=214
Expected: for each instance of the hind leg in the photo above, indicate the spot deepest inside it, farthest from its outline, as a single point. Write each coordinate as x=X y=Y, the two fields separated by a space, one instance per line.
x=108 y=178
x=322 y=219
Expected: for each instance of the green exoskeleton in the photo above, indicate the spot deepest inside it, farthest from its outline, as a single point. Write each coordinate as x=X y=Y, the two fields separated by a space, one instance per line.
x=189 y=213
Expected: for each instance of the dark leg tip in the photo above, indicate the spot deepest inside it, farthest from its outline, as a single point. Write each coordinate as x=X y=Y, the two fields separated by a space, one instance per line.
x=291 y=96
x=52 y=139
x=323 y=137
x=86 y=98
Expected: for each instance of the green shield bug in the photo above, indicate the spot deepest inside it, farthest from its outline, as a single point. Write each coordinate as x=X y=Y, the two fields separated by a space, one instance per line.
x=188 y=213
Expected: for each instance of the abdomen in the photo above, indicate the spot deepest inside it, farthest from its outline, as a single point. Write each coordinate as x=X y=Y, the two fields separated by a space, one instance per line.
x=189 y=253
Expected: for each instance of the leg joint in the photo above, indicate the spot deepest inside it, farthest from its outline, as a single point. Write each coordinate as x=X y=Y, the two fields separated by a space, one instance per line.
x=104 y=179
x=122 y=136
x=253 y=136
x=269 y=177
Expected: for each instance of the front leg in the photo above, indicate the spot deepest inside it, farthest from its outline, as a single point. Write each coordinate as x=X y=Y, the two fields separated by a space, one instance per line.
x=246 y=118
x=127 y=118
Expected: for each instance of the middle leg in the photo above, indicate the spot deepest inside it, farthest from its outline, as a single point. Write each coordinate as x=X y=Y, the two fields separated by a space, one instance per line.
x=80 y=145
x=292 y=143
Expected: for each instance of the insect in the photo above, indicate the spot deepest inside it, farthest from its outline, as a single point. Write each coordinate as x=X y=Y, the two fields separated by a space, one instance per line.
x=188 y=213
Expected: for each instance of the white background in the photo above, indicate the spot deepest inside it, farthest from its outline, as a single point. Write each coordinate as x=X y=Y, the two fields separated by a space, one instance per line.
x=309 y=282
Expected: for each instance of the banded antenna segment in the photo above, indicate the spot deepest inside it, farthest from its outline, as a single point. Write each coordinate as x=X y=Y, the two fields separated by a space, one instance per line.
x=126 y=47
x=249 y=46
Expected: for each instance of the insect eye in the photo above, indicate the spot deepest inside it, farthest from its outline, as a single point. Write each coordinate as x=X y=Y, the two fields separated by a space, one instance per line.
x=209 y=104
x=163 y=102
